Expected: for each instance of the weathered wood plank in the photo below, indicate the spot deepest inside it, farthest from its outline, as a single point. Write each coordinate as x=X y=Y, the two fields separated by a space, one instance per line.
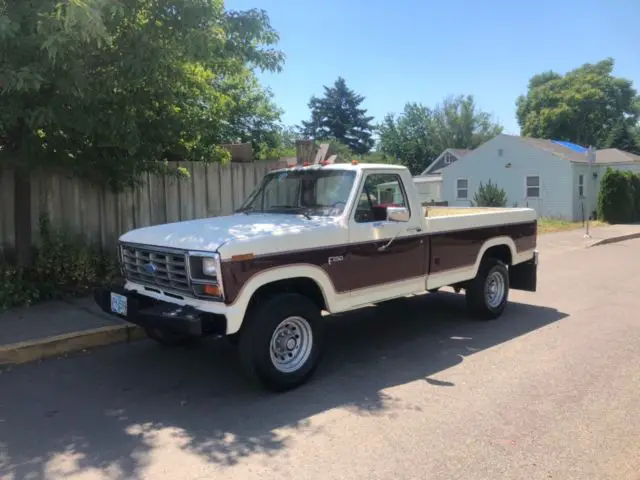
x=157 y=200
x=199 y=185
x=226 y=190
x=214 y=202
x=185 y=188
x=102 y=216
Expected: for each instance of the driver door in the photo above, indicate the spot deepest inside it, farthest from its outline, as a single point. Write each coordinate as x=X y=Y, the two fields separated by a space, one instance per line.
x=383 y=252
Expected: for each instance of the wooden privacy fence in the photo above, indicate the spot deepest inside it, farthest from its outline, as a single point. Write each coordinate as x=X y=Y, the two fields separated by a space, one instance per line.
x=102 y=216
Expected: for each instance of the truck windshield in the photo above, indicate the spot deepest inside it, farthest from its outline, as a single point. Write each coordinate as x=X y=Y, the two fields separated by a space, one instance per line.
x=307 y=192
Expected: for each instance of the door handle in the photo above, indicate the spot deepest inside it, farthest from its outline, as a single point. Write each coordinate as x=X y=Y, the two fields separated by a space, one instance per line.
x=414 y=229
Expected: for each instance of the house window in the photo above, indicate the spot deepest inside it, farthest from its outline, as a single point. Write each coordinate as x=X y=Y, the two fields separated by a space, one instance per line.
x=533 y=186
x=462 y=189
x=581 y=186
x=448 y=158
x=500 y=152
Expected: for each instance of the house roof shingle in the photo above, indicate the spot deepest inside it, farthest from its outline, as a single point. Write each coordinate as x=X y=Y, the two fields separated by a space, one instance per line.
x=603 y=157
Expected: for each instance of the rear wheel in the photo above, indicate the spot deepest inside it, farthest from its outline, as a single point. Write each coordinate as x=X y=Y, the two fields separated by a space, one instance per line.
x=281 y=342
x=488 y=293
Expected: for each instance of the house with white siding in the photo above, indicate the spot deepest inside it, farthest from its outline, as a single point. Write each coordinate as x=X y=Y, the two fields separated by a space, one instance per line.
x=429 y=182
x=553 y=177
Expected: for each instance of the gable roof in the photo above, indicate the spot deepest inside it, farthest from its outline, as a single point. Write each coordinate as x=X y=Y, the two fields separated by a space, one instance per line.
x=613 y=155
x=576 y=153
x=437 y=165
x=459 y=152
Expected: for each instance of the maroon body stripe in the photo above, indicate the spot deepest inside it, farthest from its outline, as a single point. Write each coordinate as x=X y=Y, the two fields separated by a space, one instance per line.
x=363 y=265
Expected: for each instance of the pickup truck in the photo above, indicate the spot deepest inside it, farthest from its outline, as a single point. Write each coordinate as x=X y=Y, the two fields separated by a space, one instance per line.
x=307 y=242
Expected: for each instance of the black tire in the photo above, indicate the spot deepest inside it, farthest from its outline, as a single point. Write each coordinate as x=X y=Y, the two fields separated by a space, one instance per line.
x=478 y=299
x=167 y=338
x=262 y=322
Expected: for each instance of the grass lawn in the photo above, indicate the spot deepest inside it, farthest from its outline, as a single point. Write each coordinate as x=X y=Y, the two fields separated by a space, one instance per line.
x=548 y=225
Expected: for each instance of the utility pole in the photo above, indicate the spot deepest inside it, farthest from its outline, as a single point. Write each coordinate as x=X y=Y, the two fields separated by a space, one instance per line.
x=591 y=156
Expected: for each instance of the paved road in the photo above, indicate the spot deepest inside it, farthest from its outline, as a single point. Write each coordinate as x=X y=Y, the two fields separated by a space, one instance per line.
x=412 y=392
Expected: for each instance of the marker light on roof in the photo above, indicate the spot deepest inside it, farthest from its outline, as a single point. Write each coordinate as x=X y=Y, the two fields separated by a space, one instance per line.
x=354 y=162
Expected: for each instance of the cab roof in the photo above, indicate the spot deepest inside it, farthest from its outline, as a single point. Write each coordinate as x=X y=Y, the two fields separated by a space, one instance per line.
x=343 y=166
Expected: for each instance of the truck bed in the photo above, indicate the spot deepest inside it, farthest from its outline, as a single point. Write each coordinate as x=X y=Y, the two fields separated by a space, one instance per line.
x=443 y=219
x=448 y=211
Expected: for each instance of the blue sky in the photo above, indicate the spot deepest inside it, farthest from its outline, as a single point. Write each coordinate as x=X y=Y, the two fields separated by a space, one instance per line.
x=397 y=51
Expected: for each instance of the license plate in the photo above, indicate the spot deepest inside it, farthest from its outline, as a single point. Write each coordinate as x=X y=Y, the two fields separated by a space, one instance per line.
x=118 y=304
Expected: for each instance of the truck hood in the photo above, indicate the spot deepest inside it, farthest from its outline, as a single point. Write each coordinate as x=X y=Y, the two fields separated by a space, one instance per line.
x=209 y=234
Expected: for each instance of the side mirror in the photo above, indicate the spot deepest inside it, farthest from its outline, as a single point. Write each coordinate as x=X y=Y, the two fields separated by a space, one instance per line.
x=397 y=214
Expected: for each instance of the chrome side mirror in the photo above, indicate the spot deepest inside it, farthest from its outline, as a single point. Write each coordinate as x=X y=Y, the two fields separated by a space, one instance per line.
x=397 y=214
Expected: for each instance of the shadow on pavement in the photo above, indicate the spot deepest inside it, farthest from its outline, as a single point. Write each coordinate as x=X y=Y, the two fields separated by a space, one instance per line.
x=108 y=409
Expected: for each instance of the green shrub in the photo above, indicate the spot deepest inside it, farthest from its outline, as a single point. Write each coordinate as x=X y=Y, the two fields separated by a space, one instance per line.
x=634 y=179
x=63 y=266
x=617 y=198
x=490 y=195
x=16 y=288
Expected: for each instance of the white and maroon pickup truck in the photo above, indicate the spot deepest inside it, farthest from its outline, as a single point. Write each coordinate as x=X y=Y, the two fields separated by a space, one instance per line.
x=308 y=240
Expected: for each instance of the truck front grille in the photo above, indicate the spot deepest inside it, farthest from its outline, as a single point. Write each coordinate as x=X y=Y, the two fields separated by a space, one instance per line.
x=163 y=269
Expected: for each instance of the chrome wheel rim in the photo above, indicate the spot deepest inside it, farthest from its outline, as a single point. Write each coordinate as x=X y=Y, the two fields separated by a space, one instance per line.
x=291 y=344
x=494 y=289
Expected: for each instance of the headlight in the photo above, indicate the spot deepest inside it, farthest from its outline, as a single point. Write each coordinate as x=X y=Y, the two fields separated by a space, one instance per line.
x=209 y=266
x=205 y=273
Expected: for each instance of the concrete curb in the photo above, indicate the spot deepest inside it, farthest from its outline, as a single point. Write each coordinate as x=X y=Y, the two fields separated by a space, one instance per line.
x=619 y=238
x=57 y=345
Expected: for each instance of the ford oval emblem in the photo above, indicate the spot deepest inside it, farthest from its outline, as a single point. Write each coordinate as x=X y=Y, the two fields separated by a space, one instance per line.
x=150 y=268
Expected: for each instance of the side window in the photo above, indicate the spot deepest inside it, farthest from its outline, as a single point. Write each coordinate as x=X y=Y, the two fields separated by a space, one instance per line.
x=532 y=183
x=581 y=186
x=462 y=189
x=379 y=190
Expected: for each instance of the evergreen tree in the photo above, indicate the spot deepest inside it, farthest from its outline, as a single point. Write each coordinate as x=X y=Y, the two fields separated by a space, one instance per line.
x=622 y=139
x=338 y=116
x=490 y=195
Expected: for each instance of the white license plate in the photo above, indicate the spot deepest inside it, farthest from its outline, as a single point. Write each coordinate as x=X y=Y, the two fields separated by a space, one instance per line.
x=118 y=304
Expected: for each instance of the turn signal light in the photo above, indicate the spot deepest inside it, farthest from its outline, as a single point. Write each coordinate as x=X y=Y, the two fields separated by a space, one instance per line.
x=213 y=290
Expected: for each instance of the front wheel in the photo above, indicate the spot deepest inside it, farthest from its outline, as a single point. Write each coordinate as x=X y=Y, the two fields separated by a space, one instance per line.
x=488 y=293
x=281 y=342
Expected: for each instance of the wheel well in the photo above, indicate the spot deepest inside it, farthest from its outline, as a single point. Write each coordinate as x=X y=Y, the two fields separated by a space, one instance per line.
x=499 y=252
x=301 y=285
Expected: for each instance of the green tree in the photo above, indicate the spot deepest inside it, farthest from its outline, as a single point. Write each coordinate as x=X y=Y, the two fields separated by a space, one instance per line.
x=616 y=202
x=622 y=138
x=251 y=116
x=417 y=136
x=142 y=82
x=582 y=106
x=112 y=90
x=490 y=195
x=338 y=116
x=410 y=137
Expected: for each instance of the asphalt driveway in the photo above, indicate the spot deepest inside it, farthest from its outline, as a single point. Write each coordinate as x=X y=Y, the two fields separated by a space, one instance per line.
x=412 y=389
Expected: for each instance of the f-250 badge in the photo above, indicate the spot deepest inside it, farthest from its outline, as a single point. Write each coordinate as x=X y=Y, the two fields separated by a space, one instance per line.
x=337 y=259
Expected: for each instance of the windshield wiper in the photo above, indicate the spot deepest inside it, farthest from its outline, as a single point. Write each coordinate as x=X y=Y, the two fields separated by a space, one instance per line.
x=245 y=210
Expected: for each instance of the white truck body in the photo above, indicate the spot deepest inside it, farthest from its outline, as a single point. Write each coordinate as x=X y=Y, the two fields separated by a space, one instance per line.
x=340 y=254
